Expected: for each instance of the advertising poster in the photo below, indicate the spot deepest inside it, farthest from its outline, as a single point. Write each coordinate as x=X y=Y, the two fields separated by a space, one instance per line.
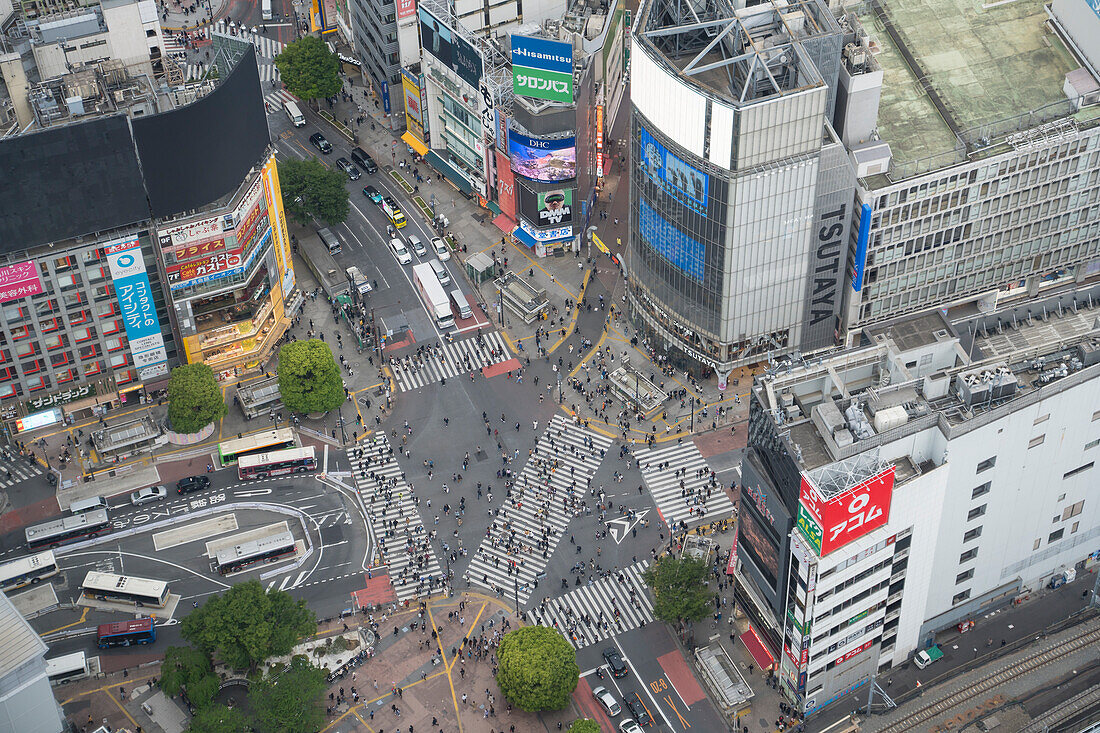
x=546 y=235
x=686 y=254
x=405 y=8
x=193 y=232
x=506 y=187
x=542 y=69
x=556 y=207
x=548 y=161
x=452 y=51
x=19 y=281
x=686 y=184
x=829 y=525
x=599 y=141
x=414 y=113
x=283 y=251
x=139 y=314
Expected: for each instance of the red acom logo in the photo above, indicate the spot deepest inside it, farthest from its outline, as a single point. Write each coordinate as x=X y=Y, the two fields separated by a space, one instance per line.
x=847 y=516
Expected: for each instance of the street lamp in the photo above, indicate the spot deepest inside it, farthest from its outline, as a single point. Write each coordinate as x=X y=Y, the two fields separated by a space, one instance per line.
x=515 y=590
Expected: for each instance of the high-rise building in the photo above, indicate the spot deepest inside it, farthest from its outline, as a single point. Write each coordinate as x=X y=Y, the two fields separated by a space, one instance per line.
x=27 y=703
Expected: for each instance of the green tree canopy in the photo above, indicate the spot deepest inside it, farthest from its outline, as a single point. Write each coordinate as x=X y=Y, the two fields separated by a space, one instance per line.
x=584 y=725
x=194 y=398
x=219 y=719
x=538 y=668
x=309 y=69
x=309 y=379
x=291 y=700
x=246 y=625
x=186 y=668
x=310 y=190
x=679 y=589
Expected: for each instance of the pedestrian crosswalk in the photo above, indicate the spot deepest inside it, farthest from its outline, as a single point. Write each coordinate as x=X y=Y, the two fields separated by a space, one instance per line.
x=275 y=100
x=445 y=361
x=15 y=468
x=392 y=511
x=600 y=609
x=524 y=533
x=680 y=483
x=265 y=47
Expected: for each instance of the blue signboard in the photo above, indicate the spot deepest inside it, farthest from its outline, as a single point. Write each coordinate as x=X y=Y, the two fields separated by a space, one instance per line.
x=861 y=247
x=385 y=96
x=686 y=184
x=685 y=253
x=139 y=313
x=541 y=53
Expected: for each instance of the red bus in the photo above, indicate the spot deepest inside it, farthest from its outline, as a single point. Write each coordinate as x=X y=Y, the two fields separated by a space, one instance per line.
x=125 y=633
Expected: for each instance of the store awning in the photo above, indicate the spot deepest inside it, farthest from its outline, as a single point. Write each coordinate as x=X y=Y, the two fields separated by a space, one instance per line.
x=759 y=652
x=505 y=223
x=448 y=170
x=410 y=139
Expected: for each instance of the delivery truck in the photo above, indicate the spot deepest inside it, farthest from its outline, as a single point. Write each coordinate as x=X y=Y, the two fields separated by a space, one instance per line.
x=435 y=298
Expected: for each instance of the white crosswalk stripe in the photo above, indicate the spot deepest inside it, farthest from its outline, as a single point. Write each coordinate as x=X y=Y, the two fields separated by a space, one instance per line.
x=527 y=529
x=598 y=610
x=664 y=468
x=265 y=47
x=275 y=99
x=451 y=360
x=398 y=528
x=15 y=468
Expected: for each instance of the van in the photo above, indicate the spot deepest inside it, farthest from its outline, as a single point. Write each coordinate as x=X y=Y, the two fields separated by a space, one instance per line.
x=440 y=272
x=86 y=505
x=461 y=304
x=358 y=280
x=330 y=240
x=295 y=114
x=364 y=161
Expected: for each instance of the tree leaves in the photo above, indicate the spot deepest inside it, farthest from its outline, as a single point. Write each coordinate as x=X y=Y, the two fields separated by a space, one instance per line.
x=309 y=380
x=219 y=719
x=290 y=701
x=679 y=589
x=538 y=668
x=310 y=190
x=309 y=69
x=194 y=398
x=584 y=725
x=188 y=669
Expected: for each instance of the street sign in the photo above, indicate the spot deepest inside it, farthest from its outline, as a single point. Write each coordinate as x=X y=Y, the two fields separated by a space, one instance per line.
x=599 y=244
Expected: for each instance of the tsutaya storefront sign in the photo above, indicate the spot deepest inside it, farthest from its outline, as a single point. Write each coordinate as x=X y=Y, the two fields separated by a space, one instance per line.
x=829 y=524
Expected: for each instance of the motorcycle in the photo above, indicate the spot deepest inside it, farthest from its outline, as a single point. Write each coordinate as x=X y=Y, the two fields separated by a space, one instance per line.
x=599 y=672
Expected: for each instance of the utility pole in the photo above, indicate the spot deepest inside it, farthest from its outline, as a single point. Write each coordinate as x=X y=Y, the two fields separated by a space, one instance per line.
x=515 y=591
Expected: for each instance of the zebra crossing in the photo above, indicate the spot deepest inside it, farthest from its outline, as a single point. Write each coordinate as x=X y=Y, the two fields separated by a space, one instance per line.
x=665 y=468
x=525 y=532
x=449 y=360
x=265 y=47
x=599 y=610
x=392 y=511
x=15 y=468
x=274 y=100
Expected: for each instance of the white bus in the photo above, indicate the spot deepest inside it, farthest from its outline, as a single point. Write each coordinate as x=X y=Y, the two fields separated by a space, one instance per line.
x=66 y=529
x=435 y=298
x=277 y=463
x=266 y=13
x=27 y=570
x=139 y=591
x=264 y=550
x=67 y=668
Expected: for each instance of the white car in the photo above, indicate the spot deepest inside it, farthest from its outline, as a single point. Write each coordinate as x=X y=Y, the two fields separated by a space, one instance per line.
x=417 y=245
x=629 y=726
x=606 y=699
x=148 y=494
x=442 y=251
x=400 y=251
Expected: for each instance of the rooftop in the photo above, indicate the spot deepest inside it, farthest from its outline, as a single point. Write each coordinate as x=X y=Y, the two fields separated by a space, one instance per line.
x=18 y=642
x=983 y=63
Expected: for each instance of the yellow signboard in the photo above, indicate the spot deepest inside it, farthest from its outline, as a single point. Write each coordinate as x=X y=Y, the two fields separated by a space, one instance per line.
x=600 y=245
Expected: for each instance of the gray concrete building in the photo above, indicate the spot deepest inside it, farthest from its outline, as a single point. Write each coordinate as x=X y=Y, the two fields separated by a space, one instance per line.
x=27 y=703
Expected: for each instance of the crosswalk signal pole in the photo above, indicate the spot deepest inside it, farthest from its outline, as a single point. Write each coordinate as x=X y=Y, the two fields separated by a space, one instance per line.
x=515 y=592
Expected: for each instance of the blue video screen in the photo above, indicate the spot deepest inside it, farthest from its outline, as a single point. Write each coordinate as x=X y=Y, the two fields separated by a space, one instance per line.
x=685 y=253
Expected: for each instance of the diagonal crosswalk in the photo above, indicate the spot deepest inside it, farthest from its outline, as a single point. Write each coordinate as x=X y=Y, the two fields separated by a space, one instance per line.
x=599 y=609
x=445 y=361
x=392 y=511
x=679 y=481
x=525 y=532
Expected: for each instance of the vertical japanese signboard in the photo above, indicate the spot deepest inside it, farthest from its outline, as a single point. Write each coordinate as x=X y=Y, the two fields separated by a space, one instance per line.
x=139 y=313
x=599 y=141
x=284 y=257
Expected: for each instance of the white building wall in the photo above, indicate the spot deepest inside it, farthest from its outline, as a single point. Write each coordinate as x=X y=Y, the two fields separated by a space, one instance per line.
x=673 y=107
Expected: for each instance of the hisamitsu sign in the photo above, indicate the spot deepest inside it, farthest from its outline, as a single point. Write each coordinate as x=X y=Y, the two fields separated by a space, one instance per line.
x=542 y=69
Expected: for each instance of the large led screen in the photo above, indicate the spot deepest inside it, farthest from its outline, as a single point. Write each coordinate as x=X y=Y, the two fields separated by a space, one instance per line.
x=685 y=253
x=686 y=184
x=548 y=161
x=454 y=52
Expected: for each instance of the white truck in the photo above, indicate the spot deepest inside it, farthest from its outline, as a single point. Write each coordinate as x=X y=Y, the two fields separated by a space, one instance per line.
x=435 y=298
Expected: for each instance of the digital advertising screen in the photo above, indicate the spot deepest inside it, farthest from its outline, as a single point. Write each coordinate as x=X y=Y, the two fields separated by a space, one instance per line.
x=686 y=184
x=547 y=161
x=684 y=252
x=452 y=51
x=547 y=208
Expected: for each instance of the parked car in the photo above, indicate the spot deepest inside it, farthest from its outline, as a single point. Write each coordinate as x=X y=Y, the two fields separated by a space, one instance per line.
x=364 y=161
x=372 y=193
x=615 y=661
x=321 y=143
x=605 y=698
x=148 y=494
x=346 y=166
x=442 y=251
x=629 y=726
x=191 y=484
x=638 y=712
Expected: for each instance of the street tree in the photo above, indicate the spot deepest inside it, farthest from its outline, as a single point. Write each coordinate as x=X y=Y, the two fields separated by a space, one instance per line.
x=680 y=590
x=194 y=398
x=312 y=191
x=247 y=624
x=309 y=69
x=189 y=670
x=537 y=668
x=290 y=700
x=584 y=725
x=309 y=379
x=219 y=719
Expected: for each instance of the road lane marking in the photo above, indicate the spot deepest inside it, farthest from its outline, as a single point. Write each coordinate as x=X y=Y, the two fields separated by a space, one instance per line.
x=671 y=704
x=193 y=532
x=648 y=693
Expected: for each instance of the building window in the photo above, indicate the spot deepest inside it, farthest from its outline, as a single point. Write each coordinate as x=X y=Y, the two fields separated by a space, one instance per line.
x=1055 y=535
x=1035 y=546
x=987 y=464
x=1096 y=416
x=964 y=576
x=1075 y=526
x=972 y=534
x=1037 y=441
x=960 y=597
x=1079 y=469
x=968 y=555
x=976 y=512
x=1041 y=419
x=1073 y=510
x=1092 y=444
x=981 y=490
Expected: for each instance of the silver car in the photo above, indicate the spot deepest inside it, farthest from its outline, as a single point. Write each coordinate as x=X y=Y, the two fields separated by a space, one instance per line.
x=148 y=494
x=606 y=699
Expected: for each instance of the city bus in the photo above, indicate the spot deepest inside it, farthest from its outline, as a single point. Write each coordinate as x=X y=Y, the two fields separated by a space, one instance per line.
x=277 y=463
x=110 y=587
x=265 y=550
x=264 y=441
x=125 y=633
x=60 y=531
x=27 y=570
x=67 y=668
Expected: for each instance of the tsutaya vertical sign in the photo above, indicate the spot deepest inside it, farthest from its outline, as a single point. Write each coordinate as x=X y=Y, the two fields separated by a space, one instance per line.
x=139 y=313
x=542 y=69
x=284 y=256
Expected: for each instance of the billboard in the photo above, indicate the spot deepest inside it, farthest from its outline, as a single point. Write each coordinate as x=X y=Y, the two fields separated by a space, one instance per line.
x=452 y=51
x=829 y=524
x=686 y=184
x=283 y=252
x=754 y=539
x=599 y=141
x=405 y=8
x=19 y=281
x=217 y=262
x=683 y=252
x=325 y=12
x=548 y=161
x=546 y=208
x=139 y=314
x=414 y=113
x=542 y=69
x=546 y=235
x=506 y=187
x=194 y=231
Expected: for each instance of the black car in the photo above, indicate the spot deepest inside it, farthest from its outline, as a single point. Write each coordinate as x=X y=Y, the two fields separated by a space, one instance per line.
x=638 y=711
x=615 y=661
x=364 y=161
x=345 y=165
x=192 y=484
x=318 y=140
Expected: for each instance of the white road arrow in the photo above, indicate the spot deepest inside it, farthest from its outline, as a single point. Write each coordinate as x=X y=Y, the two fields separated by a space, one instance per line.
x=620 y=528
x=252 y=492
